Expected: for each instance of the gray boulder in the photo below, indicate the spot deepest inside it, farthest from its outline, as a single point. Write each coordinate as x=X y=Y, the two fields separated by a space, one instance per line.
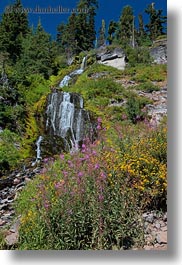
x=105 y=53
x=159 y=52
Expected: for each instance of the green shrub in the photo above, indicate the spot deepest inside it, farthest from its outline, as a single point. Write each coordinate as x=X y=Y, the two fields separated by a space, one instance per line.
x=37 y=87
x=9 y=150
x=146 y=73
x=134 y=107
x=147 y=87
x=138 y=55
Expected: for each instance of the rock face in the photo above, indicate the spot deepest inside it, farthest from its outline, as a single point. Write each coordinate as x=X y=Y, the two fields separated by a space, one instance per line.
x=67 y=119
x=158 y=109
x=112 y=57
x=159 y=53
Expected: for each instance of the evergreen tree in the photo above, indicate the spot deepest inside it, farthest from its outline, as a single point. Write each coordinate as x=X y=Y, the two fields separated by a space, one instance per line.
x=13 y=27
x=79 y=33
x=60 y=36
x=37 y=54
x=156 y=20
x=69 y=40
x=111 y=31
x=102 y=34
x=125 y=26
x=85 y=32
x=142 y=37
x=141 y=31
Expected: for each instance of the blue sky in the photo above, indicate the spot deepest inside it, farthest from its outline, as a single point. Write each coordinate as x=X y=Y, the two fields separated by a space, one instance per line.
x=108 y=10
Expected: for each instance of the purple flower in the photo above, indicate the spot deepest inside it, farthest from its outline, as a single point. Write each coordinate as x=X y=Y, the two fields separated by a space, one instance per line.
x=103 y=175
x=101 y=197
x=98 y=127
x=83 y=146
x=70 y=163
x=65 y=173
x=61 y=156
x=57 y=185
x=97 y=166
x=87 y=157
x=99 y=120
x=80 y=174
x=46 y=205
x=46 y=160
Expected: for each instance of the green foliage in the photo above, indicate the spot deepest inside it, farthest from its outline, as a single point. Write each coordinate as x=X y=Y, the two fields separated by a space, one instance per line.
x=30 y=135
x=145 y=73
x=12 y=110
x=156 y=21
x=9 y=150
x=102 y=34
x=13 y=27
x=79 y=33
x=138 y=55
x=147 y=87
x=125 y=26
x=111 y=31
x=134 y=108
x=36 y=87
x=37 y=56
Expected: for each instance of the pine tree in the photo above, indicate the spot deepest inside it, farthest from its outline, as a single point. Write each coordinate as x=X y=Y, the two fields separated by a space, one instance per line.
x=13 y=27
x=102 y=34
x=79 y=33
x=85 y=34
x=37 y=54
x=125 y=26
x=156 y=20
x=111 y=31
x=142 y=37
x=141 y=26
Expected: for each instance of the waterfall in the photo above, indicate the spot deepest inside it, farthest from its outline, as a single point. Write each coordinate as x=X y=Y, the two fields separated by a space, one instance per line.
x=67 y=118
x=65 y=81
x=51 y=111
x=38 y=151
x=38 y=148
x=83 y=63
x=67 y=78
x=66 y=114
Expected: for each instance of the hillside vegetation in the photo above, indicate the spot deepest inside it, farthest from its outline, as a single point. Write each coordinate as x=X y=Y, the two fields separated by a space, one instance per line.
x=94 y=198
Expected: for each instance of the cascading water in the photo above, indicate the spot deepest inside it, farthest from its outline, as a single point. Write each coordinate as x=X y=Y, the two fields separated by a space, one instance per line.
x=67 y=118
x=67 y=78
x=38 y=150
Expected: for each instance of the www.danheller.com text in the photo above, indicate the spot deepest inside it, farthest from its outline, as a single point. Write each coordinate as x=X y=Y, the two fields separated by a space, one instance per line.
x=46 y=10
